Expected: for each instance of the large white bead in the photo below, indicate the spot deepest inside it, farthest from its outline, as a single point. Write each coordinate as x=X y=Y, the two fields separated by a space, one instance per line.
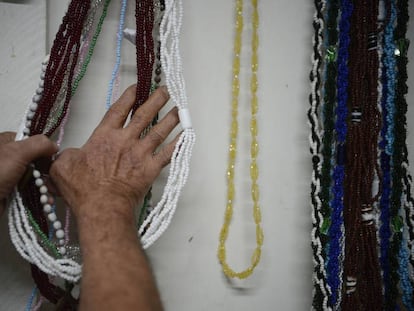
x=52 y=217
x=33 y=107
x=36 y=174
x=60 y=234
x=47 y=208
x=62 y=250
x=57 y=225
x=39 y=182
x=43 y=199
x=30 y=115
x=36 y=98
x=43 y=189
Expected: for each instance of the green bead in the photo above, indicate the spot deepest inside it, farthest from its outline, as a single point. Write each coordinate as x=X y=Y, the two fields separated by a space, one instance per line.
x=397 y=224
x=326 y=224
x=402 y=47
x=331 y=53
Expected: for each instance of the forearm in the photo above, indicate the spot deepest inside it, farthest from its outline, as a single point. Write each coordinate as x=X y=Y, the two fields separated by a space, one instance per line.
x=116 y=273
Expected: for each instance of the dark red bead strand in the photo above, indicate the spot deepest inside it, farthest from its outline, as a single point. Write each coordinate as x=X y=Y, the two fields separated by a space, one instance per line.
x=144 y=15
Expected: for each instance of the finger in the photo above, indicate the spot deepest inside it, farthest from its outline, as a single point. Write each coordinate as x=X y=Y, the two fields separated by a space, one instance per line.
x=7 y=137
x=35 y=147
x=144 y=114
x=161 y=130
x=163 y=157
x=116 y=116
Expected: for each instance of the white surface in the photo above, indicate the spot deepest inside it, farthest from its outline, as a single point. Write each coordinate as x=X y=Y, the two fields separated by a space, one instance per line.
x=184 y=259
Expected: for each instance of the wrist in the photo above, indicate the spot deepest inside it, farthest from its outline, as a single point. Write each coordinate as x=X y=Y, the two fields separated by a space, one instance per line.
x=105 y=208
x=106 y=222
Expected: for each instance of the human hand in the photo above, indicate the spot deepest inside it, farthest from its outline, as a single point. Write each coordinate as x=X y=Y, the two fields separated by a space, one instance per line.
x=115 y=164
x=15 y=156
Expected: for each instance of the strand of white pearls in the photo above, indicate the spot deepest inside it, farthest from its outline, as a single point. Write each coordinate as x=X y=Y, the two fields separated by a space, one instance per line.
x=160 y=217
x=23 y=237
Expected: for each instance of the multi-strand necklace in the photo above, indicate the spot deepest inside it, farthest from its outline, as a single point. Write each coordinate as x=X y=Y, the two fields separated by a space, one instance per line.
x=32 y=207
x=254 y=147
x=361 y=194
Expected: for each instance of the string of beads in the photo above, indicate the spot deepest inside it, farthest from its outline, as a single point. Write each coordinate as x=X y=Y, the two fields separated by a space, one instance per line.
x=254 y=147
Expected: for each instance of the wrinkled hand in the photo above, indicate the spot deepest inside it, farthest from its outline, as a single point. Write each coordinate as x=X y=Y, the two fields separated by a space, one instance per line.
x=115 y=164
x=16 y=156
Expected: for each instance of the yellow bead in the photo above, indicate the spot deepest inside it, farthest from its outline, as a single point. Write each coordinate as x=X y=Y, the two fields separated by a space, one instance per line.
x=230 y=192
x=253 y=84
x=257 y=215
x=255 y=192
x=254 y=171
x=254 y=149
x=254 y=105
x=253 y=127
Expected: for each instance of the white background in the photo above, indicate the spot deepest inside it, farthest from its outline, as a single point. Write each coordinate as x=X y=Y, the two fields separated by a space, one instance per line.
x=184 y=258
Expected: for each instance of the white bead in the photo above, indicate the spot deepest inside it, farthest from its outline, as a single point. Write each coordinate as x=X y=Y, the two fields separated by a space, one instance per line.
x=61 y=242
x=30 y=115
x=43 y=189
x=62 y=250
x=41 y=83
x=39 y=91
x=28 y=124
x=60 y=234
x=39 y=182
x=43 y=199
x=26 y=131
x=33 y=107
x=36 y=98
x=57 y=225
x=47 y=208
x=46 y=59
x=42 y=75
x=36 y=174
x=52 y=217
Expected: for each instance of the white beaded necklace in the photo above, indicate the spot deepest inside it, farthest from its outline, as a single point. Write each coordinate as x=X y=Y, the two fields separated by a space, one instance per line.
x=22 y=233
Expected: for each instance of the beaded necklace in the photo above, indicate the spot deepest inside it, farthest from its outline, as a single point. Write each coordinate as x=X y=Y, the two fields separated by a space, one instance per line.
x=336 y=229
x=361 y=261
x=24 y=233
x=254 y=172
x=321 y=289
x=400 y=250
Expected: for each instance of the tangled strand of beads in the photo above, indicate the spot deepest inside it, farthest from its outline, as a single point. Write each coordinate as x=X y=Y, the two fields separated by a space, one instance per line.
x=88 y=43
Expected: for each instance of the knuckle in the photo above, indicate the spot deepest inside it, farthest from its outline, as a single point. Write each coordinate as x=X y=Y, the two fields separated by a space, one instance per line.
x=164 y=156
x=155 y=136
x=114 y=112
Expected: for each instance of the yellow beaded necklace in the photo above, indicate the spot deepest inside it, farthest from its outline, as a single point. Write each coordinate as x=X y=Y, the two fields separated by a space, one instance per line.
x=254 y=147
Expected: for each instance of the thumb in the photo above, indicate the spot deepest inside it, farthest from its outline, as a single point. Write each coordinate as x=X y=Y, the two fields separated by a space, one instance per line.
x=35 y=147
